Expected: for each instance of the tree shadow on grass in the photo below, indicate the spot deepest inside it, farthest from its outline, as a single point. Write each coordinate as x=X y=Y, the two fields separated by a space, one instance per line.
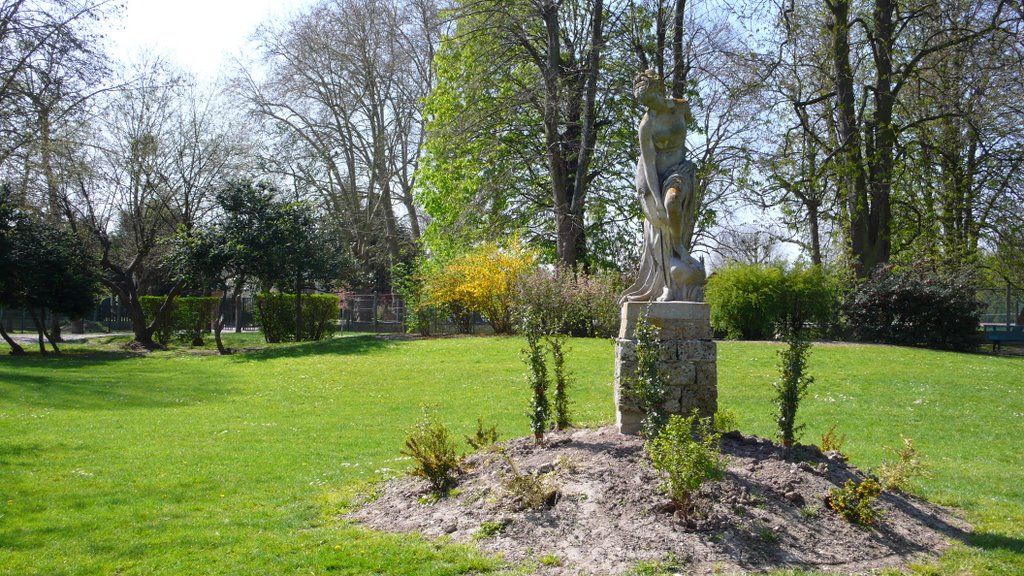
x=344 y=345
x=993 y=541
x=97 y=391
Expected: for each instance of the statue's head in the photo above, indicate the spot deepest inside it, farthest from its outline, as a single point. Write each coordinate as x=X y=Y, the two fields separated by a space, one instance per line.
x=648 y=83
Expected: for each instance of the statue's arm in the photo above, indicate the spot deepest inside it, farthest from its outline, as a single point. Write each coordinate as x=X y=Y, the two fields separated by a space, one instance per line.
x=651 y=200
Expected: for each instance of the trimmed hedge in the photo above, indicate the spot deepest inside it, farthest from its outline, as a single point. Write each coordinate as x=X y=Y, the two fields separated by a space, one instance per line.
x=275 y=314
x=189 y=317
x=754 y=302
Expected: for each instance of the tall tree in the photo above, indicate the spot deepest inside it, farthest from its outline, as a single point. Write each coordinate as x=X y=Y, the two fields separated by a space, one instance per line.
x=341 y=102
x=899 y=42
x=152 y=172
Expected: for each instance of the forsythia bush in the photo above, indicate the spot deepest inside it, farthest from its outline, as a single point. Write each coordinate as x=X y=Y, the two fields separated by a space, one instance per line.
x=482 y=280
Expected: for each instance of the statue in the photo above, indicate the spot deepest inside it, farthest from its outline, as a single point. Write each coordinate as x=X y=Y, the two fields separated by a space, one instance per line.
x=665 y=180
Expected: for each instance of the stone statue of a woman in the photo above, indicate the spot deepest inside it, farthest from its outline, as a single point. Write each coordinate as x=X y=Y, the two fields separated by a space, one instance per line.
x=665 y=181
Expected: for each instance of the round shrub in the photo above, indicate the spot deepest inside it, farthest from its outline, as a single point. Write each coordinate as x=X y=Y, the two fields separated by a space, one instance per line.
x=745 y=300
x=755 y=301
x=915 y=306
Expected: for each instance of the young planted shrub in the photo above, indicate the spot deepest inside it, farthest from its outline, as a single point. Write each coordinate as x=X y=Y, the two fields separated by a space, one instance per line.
x=853 y=502
x=687 y=453
x=557 y=344
x=915 y=306
x=791 y=386
x=484 y=437
x=536 y=376
x=725 y=421
x=896 y=473
x=433 y=451
x=832 y=441
x=647 y=386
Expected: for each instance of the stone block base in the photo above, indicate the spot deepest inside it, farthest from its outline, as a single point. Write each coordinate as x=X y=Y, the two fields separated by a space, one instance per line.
x=687 y=359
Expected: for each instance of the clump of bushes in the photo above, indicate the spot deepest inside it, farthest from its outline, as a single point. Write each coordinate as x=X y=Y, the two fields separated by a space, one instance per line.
x=854 y=501
x=915 y=306
x=275 y=314
x=687 y=452
x=433 y=451
x=756 y=301
x=572 y=302
x=189 y=317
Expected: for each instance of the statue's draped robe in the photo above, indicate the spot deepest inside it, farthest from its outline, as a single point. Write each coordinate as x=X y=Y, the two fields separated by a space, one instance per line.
x=661 y=245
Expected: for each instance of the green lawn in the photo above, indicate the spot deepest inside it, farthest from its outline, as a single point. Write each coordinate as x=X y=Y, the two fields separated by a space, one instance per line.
x=182 y=464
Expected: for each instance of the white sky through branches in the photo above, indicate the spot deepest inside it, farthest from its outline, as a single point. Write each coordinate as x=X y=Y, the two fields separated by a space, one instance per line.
x=200 y=36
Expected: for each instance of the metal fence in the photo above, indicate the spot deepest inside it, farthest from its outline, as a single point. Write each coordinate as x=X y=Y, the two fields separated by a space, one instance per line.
x=387 y=313
x=1002 y=305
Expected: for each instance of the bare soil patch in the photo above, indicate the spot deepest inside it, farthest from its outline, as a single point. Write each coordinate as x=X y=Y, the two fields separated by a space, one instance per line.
x=607 y=514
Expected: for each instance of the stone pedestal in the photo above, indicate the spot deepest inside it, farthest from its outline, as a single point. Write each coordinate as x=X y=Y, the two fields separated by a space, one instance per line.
x=688 y=360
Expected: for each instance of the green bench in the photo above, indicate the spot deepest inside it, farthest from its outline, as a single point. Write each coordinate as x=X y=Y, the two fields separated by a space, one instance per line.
x=999 y=333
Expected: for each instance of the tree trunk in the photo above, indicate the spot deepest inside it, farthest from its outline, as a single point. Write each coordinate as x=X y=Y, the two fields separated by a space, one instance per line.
x=815 y=232
x=218 y=327
x=679 y=69
x=40 y=321
x=16 y=349
x=851 y=169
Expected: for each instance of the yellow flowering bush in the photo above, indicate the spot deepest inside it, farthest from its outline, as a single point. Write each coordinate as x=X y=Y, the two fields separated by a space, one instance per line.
x=483 y=280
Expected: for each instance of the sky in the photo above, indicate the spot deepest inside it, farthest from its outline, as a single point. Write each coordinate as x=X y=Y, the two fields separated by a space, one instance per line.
x=200 y=36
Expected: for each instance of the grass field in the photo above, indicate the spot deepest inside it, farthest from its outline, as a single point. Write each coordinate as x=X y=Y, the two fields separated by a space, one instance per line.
x=177 y=463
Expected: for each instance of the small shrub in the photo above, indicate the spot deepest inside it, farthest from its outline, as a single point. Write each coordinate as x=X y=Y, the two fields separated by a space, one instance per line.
x=648 y=384
x=853 y=502
x=725 y=421
x=550 y=560
x=687 y=453
x=431 y=446
x=484 y=437
x=896 y=474
x=557 y=345
x=536 y=377
x=528 y=491
x=915 y=306
x=832 y=441
x=791 y=386
x=490 y=528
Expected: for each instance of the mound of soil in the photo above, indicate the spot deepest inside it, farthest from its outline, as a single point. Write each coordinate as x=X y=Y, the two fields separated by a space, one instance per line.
x=602 y=511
